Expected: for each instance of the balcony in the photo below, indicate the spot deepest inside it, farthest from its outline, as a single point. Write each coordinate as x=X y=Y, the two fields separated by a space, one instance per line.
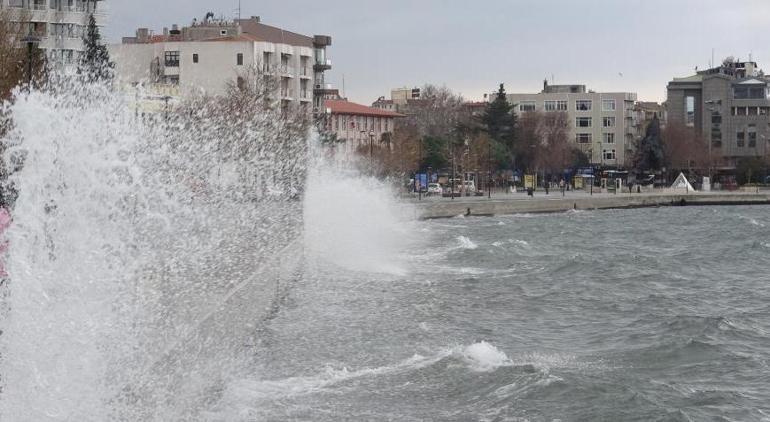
x=286 y=70
x=322 y=65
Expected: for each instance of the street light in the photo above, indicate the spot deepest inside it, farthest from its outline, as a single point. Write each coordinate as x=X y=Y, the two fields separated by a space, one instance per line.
x=31 y=40
x=712 y=109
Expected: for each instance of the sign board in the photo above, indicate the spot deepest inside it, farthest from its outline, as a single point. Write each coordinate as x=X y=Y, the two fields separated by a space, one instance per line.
x=420 y=182
x=578 y=182
x=530 y=180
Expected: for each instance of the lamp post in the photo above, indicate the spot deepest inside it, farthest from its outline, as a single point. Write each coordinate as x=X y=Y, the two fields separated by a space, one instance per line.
x=419 y=167
x=428 y=181
x=371 y=148
x=31 y=40
x=712 y=108
x=489 y=168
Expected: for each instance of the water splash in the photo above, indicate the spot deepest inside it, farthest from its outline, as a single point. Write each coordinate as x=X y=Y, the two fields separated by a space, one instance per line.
x=355 y=222
x=142 y=253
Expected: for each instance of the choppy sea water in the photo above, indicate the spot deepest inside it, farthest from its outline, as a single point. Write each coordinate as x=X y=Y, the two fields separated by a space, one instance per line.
x=649 y=315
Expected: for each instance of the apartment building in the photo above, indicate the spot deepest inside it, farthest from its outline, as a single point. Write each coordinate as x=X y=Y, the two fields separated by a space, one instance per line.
x=729 y=106
x=59 y=25
x=357 y=125
x=209 y=54
x=602 y=123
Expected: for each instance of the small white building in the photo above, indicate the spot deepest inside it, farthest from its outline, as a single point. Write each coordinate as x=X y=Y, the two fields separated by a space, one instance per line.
x=208 y=55
x=602 y=124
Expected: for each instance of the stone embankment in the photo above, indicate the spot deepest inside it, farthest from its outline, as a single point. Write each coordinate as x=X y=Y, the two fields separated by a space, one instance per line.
x=519 y=203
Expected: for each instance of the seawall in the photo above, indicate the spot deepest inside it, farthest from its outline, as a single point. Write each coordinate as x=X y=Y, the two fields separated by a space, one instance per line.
x=519 y=203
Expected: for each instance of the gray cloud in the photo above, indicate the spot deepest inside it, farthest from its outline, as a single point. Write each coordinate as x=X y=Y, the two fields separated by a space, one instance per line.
x=473 y=46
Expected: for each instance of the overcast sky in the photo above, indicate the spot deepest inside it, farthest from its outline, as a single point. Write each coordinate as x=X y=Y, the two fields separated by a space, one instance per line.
x=472 y=46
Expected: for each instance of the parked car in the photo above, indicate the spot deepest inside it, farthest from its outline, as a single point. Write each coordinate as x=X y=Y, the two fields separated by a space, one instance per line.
x=435 y=189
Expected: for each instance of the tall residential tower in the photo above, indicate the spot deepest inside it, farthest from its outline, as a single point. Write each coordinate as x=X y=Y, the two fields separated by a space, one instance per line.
x=60 y=25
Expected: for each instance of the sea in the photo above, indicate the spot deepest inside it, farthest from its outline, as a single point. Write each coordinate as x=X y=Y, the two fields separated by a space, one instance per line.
x=658 y=314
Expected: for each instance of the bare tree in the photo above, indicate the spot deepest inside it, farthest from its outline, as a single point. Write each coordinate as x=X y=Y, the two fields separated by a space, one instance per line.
x=249 y=131
x=684 y=149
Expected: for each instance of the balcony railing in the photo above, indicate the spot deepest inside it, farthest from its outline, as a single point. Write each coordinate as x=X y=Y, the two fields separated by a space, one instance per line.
x=286 y=70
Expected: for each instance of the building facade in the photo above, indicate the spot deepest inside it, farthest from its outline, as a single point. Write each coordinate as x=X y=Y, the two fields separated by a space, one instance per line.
x=59 y=25
x=729 y=106
x=358 y=126
x=602 y=124
x=210 y=54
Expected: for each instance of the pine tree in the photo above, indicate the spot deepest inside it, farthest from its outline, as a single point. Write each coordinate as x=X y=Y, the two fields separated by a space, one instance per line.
x=500 y=121
x=649 y=154
x=95 y=65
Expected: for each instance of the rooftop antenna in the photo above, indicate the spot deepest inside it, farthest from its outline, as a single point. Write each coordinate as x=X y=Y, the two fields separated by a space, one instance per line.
x=343 y=86
x=712 y=58
x=239 y=9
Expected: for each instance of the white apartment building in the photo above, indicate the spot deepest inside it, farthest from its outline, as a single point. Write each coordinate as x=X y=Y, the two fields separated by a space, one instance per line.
x=60 y=25
x=209 y=54
x=602 y=124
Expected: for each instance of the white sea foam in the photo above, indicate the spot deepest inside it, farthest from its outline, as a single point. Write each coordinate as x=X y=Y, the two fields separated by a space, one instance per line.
x=484 y=357
x=466 y=243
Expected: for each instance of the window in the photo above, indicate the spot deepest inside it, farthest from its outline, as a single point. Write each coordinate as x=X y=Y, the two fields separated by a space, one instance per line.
x=583 y=122
x=746 y=92
x=753 y=111
x=195 y=57
x=558 y=105
x=608 y=122
x=716 y=138
x=609 y=138
x=741 y=139
x=172 y=58
x=609 y=154
x=583 y=138
x=752 y=136
x=689 y=109
x=239 y=59
x=527 y=106
x=583 y=105
x=608 y=105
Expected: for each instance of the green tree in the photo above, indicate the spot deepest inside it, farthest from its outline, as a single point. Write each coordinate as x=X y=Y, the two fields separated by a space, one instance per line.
x=434 y=152
x=95 y=65
x=500 y=122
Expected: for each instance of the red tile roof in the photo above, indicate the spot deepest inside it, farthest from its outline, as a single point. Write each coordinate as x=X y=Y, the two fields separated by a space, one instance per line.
x=346 y=107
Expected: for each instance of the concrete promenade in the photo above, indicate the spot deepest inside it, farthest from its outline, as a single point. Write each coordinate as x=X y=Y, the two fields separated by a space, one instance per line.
x=517 y=203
